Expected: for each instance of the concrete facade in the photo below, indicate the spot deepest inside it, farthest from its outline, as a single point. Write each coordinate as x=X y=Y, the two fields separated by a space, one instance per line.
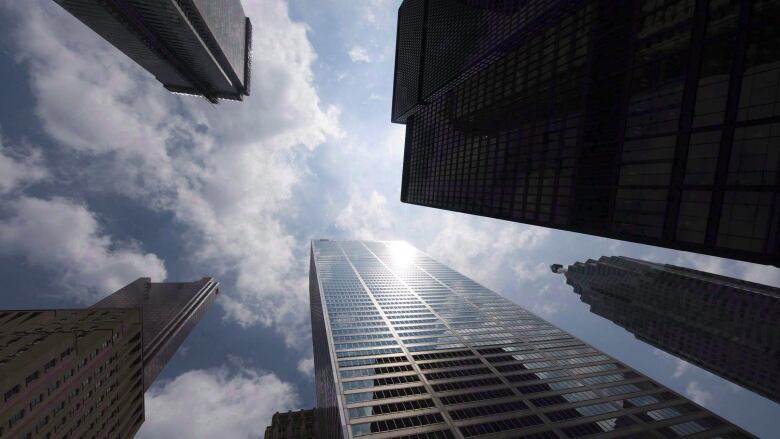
x=71 y=373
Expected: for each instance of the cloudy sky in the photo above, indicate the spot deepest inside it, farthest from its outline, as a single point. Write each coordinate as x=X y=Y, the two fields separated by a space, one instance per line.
x=106 y=177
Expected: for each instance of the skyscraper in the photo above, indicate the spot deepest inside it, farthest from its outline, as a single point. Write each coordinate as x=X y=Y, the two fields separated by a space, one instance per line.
x=200 y=47
x=169 y=310
x=405 y=347
x=727 y=326
x=301 y=424
x=83 y=372
x=71 y=373
x=652 y=122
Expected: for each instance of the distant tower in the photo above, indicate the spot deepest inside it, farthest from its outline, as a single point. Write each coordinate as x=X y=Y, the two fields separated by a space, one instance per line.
x=650 y=122
x=301 y=424
x=200 y=47
x=405 y=347
x=727 y=326
x=83 y=372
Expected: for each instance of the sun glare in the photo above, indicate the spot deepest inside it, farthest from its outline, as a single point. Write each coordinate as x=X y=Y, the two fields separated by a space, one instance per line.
x=402 y=252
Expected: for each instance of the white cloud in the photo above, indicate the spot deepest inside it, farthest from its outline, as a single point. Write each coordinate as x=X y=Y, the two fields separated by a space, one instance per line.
x=530 y=272
x=225 y=173
x=65 y=237
x=681 y=367
x=366 y=218
x=359 y=54
x=697 y=393
x=763 y=274
x=306 y=367
x=471 y=246
x=19 y=166
x=216 y=403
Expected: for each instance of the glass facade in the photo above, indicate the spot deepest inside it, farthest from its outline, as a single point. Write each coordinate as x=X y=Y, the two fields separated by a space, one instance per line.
x=727 y=326
x=656 y=122
x=170 y=311
x=200 y=47
x=405 y=347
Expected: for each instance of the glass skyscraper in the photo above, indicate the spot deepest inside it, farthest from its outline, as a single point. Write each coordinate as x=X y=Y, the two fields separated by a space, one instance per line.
x=648 y=121
x=405 y=347
x=727 y=326
x=201 y=47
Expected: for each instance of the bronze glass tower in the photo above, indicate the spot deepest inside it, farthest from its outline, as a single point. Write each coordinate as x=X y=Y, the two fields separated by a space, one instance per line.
x=201 y=47
x=83 y=372
x=405 y=347
x=727 y=326
x=169 y=310
x=649 y=121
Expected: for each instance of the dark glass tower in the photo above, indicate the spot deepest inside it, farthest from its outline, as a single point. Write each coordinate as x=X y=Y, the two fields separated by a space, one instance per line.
x=169 y=310
x=653 y=122
x=200 y=47
x=405 y=347
x=727 y=326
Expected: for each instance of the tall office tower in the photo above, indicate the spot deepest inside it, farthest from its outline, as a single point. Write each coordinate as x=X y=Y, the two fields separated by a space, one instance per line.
x=200 y=47
x=83 y=373
x=170 y=311
x=655 y=122
x=301 y=424
x=405 y=347
x=727 y=326
x=71 y=373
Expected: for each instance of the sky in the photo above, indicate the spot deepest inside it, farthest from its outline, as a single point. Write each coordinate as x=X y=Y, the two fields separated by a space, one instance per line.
x=106 y=177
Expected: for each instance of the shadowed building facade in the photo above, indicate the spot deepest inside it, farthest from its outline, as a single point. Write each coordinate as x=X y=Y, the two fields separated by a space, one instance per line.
x=200 y=47
x=727 y=326
x=652 y=122
x=71 y=373
x=301 y=424
x=405 y=347
x=83 y=372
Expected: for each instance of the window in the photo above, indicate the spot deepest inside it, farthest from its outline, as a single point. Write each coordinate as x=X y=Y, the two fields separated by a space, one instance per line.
x=396 y=424
x=383 y=394
x=383 y=409
x=475 y=396
x=32 y=377
x=498 y=426
x=475 y=412
x=10 y=393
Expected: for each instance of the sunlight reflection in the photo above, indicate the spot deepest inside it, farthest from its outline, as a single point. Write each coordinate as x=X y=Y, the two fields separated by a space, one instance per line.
x=402 y=252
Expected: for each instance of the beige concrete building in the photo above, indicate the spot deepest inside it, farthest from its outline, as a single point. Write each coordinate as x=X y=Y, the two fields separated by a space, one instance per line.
x=82 y=373
x=71 y=373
